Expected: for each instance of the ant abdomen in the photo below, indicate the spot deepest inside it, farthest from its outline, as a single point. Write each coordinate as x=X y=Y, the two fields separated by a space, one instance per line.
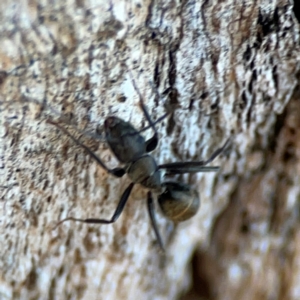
x=179 y=201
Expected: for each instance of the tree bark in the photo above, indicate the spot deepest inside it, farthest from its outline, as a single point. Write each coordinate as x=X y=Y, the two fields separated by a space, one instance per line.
x=225 y=70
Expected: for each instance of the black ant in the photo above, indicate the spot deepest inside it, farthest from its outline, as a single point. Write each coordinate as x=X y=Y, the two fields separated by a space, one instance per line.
x=178 y=201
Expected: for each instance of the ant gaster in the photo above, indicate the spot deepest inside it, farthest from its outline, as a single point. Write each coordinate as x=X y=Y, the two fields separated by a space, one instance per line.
x=178 y=201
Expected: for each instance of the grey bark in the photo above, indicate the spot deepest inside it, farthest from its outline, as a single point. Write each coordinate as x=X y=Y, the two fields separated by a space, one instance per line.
x=225 y=69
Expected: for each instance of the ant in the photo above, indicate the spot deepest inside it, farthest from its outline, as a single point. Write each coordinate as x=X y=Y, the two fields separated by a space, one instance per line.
x=178 y=201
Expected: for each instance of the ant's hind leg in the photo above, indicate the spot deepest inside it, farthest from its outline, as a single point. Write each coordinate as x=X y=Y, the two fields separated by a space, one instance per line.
x=115 y=216
x=151 y=212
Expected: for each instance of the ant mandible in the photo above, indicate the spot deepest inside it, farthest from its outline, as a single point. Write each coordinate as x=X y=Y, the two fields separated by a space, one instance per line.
x=178 y=201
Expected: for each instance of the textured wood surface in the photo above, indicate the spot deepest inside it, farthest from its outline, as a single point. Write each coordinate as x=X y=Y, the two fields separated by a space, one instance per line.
x=226 y=69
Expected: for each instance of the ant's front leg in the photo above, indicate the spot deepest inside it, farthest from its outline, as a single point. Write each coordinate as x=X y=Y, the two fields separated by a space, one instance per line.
x=118 y=172
x=151 y=144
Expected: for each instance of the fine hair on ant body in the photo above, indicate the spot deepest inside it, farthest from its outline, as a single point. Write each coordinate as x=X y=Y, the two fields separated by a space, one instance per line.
x=178 y=201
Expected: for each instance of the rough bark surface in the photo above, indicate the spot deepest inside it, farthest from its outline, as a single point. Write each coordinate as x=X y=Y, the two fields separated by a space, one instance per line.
x=225 y=69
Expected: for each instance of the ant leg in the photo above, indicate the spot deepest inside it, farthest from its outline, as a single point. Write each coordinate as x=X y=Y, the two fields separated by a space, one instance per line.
x=187 y=167
x=217 y=152
x=151 y=144
x=115 y=216
x=155 y=122
x=193 y=166
x=118 y=172
x=153 y=220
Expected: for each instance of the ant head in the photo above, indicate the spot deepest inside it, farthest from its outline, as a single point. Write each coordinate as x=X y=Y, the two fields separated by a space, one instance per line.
x=179 y=202
x=111 y=122
x=124 y=140
x=115 y=127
